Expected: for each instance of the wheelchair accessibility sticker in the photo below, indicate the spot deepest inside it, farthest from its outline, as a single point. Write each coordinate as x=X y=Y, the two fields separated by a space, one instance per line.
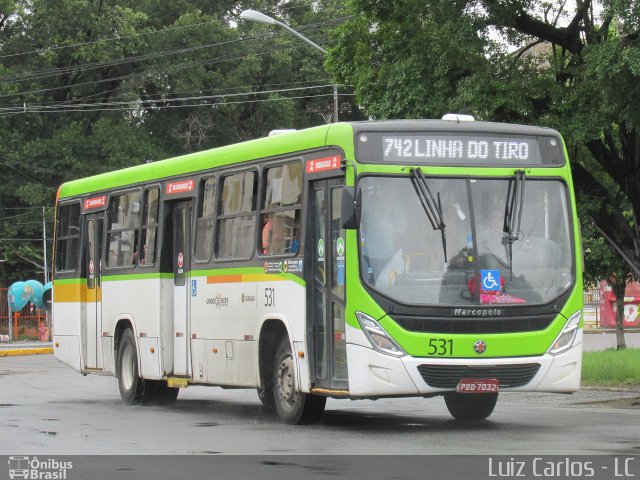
x=490 y=280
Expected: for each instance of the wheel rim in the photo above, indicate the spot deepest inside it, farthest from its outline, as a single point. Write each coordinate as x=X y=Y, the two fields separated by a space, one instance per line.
x=285 y=380
x=127 y=367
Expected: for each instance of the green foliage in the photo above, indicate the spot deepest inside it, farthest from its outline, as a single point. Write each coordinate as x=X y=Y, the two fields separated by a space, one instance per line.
x=407 y=65
x=89 y=86
x=611 y=368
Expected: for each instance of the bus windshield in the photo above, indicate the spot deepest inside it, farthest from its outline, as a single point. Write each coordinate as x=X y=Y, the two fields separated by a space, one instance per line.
x=485 y=261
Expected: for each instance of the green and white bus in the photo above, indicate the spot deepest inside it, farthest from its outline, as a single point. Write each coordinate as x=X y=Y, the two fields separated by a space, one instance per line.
x=412 y=258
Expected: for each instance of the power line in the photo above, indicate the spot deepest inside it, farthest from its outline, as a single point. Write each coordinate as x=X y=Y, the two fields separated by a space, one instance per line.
x=133 y=35
x=40 y=74
x=211 y=91
x=112 y=39
x=25 y=208
x=11 y=224
x=75 y=102
x=184 y=66
x=23 y=239
x=16 y=216
x=174 y=69
x=216 y=104
x=152 y=103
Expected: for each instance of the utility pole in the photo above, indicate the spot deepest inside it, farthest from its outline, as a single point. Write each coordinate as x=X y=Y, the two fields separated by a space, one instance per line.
x=44 y=246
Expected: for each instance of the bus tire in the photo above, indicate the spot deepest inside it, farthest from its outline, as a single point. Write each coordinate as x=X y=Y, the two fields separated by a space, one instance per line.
x=265 y=394
x=292 y=406
x=470 y=406
x=133 y=389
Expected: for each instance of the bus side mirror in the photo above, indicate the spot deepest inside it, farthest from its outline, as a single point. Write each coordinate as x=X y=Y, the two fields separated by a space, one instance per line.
x=350 y=208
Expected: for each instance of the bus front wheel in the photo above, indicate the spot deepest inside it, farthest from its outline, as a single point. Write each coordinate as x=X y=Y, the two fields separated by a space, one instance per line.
x=470 y=406
x=293 y=407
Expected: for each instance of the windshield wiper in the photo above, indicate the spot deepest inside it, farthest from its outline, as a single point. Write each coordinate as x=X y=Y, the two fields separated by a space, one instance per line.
x=432 y=208
x=513 y=215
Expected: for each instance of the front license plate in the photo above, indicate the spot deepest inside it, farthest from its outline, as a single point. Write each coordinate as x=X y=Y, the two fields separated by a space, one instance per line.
x=477 y=385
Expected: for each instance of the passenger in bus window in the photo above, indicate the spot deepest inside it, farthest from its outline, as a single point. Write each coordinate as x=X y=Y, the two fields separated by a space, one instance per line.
x=294 y=246
x=267 y=227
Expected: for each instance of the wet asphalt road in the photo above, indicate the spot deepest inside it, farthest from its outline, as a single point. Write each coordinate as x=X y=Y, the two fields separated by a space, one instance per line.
x=45 y=407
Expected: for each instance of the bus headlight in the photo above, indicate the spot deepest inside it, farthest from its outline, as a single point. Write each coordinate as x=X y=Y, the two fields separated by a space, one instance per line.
x=567 y=335
x=379 y=339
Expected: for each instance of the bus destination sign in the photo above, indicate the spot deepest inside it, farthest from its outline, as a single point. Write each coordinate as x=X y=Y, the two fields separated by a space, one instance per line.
x=460 y=149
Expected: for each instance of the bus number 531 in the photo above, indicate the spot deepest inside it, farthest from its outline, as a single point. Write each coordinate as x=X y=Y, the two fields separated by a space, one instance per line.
x=440 y=347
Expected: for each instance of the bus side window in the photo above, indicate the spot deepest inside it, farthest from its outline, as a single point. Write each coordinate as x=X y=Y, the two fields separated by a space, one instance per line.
x=147 y=255
x=280 y=211
x=204 y=222
x=124 y=228
x=236 y=215
x=68 y=237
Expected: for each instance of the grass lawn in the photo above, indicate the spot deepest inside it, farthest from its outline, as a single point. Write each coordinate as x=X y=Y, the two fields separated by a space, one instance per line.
x=611 y=368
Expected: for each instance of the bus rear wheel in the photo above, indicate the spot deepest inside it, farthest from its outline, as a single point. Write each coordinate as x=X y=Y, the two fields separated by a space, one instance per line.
x=292 y=406
x=470 y=406
x=135 y=390
x=132 y=387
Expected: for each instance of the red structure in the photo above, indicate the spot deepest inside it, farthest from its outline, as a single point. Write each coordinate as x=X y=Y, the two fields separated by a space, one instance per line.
x=608 y=305
x=28 y=324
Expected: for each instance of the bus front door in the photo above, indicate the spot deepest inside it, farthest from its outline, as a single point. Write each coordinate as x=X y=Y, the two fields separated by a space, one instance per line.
x=326 y=284
x=92 y=324
x=181 y=222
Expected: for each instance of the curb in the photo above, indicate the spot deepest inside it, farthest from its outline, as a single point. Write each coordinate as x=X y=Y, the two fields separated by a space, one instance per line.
x=609 y=331
x=26 y=351
x=609 y=388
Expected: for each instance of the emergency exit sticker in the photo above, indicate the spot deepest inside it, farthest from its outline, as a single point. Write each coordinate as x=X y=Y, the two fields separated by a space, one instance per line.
x=182 y=186
x=95 y=202
x=324 y=164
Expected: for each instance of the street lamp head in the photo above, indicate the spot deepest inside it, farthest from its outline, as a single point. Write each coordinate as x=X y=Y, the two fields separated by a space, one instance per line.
x=257 y=17
x=262 y=18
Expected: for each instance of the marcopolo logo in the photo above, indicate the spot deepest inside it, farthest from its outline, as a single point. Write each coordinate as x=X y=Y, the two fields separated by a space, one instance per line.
x=38 y=469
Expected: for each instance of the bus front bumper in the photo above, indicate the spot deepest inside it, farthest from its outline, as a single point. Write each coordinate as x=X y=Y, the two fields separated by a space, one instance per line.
x=373 y=374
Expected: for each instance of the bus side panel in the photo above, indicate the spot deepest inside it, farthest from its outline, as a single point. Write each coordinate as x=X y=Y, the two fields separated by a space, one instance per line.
x=165 y=301
x=229 y=315
x=108 y=355
x=67 y=325
x=139 y=301
x=66 y=333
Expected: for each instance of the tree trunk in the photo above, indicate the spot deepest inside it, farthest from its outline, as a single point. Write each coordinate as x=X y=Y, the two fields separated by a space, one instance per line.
x=618 y=289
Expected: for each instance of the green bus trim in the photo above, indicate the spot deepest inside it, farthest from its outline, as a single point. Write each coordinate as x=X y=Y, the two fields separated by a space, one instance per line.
x=285 y=144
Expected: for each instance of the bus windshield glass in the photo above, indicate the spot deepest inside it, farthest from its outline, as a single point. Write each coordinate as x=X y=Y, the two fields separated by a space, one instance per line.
x=485 y=260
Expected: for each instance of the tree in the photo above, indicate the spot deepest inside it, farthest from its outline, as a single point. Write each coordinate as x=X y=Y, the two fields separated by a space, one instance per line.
x=602 y=263
x=88 y=86
x=576 y=69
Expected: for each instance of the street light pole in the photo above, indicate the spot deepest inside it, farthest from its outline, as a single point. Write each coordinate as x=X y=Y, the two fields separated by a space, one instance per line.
x=256 y=16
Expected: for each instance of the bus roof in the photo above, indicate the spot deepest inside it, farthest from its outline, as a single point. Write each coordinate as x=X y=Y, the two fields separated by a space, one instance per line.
x=341 y=134
x=306 y=139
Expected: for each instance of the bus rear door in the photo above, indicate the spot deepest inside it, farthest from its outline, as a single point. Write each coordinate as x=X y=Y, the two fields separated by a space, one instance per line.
x=92 y=319
x=181 y=222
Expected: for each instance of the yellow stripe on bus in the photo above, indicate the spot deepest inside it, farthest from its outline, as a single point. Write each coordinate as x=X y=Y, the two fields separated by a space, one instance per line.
x=76 y=292
x=245 y=278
